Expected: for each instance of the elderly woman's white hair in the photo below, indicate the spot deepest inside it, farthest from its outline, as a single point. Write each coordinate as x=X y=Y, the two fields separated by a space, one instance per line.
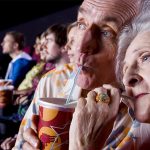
x=140 y=24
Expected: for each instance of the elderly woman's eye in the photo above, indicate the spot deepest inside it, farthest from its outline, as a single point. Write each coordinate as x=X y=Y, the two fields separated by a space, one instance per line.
x=146 y=58
x=81 y=26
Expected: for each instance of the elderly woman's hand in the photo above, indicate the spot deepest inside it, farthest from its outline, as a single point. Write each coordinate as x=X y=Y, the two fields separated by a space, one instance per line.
x=93 y=121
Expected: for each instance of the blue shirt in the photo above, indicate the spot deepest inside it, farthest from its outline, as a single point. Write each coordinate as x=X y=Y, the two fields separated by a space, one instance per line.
x=18 y=70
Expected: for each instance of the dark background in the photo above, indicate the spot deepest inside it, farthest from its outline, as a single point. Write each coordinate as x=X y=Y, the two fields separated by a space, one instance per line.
x=15 y=12
x=24 y=15
x=32 y=17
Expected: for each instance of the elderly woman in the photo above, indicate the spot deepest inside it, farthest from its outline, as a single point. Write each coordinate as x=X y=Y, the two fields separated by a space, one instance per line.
x=94 y=115
x=134 y=71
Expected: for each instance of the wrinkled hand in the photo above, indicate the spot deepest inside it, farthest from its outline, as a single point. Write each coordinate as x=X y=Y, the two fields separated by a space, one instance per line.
x=31 y=137
x=92 y=122
x=8 y=143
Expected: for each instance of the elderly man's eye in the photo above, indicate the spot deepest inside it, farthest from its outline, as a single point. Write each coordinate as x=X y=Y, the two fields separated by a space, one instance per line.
x=81 y=26
x=106 y=33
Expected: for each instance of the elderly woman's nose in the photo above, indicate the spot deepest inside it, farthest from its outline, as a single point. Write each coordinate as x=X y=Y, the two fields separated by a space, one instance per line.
x=131 y=80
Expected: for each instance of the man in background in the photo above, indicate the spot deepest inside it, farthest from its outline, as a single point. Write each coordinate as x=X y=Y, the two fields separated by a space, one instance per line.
x=21 y=63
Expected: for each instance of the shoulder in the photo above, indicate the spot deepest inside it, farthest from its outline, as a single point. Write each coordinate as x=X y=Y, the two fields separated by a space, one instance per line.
x=65 y=69
x=21 y=61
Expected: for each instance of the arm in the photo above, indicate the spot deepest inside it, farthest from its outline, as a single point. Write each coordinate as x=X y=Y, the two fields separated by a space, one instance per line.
x=23 y=92
x=29 y=122
x=92 y=122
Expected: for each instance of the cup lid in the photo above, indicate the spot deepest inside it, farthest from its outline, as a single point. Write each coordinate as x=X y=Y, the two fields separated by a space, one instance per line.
x=56 y=103
x=8 y=87
x=6 y=80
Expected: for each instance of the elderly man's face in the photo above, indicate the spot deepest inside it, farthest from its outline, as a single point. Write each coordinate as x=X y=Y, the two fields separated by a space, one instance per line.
x=96 y=46
x=98 y=24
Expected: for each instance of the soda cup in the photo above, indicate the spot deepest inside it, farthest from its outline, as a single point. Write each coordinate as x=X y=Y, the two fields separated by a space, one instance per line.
x=54 y=123
x=6 y=95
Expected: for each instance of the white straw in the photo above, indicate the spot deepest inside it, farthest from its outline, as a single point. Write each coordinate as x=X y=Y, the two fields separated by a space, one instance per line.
x=73 y=102
x=73 y=86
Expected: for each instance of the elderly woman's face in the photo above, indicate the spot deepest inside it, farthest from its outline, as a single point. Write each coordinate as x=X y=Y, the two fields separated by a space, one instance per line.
x=136 y=75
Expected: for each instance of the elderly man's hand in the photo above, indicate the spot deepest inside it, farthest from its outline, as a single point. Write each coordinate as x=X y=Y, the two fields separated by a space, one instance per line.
x=31 y=137
x=93 y=121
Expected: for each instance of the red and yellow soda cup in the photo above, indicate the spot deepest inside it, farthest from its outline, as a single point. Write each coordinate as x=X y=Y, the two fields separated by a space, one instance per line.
x=54 y=123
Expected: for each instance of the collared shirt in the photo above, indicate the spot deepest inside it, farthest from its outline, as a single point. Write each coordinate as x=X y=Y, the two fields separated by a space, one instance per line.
x=56 y=84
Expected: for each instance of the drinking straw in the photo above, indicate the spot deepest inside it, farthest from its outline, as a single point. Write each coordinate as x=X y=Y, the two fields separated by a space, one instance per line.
x=73 y=85
x=71 y=103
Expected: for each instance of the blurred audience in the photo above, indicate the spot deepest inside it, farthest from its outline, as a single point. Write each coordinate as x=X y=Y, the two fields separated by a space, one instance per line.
x=13 y=44
x=37 y=45
x=51 y=49
x=56 y=38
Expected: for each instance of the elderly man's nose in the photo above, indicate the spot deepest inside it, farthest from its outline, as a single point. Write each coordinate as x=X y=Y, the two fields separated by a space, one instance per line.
x=88 y=41
x=132 y=80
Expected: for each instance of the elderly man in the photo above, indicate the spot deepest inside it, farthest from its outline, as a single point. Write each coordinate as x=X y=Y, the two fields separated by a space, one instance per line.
x=98 y=25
